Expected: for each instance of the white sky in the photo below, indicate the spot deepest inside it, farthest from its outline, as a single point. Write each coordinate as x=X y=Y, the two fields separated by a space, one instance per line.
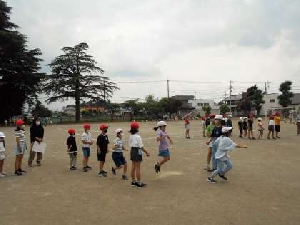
x=191 y=40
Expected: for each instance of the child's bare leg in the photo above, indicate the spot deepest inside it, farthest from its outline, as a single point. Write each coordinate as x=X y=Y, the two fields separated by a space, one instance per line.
x=1 y=165
x=133 y=171
x=125 y=169
x=164 y=160
x=208 y=158
x=138 y=171
x=20 y=162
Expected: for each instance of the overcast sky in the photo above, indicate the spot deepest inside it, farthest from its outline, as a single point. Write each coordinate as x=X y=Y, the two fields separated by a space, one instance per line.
x=186 y=40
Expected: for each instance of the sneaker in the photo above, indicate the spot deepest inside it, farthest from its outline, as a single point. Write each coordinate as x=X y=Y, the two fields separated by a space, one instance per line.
x=253 y=138
x=72 y=168
x=21 y=171
x=157 y=168
x=113 y=171
x=88 y=167
x=84 y=169
x=29 y=164
x=2 y=175
x=140 y=184
x=18 y=173
x=133 y=184
x=274 y=138
x=124 y=177
x=38 y=163
x=223 y=177
x=102 y=174
x=103 y=171
x=211 y=180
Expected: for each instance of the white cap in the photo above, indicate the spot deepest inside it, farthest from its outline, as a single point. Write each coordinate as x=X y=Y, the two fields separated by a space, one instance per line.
x=241 y=118
x=2 y=135
x=226 y=129
x=259 y=119
x=229 y=116
x=218 y=117
x=161 y=123
x=119 y=130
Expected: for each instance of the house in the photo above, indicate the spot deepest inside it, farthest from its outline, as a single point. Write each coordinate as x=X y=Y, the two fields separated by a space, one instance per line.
x=233 y=103
x=296 y=100
x=271 y=104
x=199 y=103
x=97 y=107
x=186 y=106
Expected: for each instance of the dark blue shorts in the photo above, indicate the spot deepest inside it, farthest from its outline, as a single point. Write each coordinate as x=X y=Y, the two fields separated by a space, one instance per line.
x=86 y=152
x=119 y=159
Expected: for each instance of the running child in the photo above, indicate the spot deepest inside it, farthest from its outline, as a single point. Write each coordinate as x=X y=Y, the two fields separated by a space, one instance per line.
x=137 y=148
x=87 y=142
x=187 y=126
x=2 y=153
x=72 y=149
x=20 y=147
x=271 y=127
x=224 y=164
x=118 y=156
x=260 y=128
x=209 y=130
x=162 y=137
x=102 y=149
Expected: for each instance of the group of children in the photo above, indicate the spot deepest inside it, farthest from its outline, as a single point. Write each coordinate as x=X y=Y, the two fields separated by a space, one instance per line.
x=136 y=150
x=245 y=125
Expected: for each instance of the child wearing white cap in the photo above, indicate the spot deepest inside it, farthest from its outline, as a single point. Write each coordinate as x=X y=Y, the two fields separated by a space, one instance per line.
x=118 y=156
x=2 y=153
x=224 y=164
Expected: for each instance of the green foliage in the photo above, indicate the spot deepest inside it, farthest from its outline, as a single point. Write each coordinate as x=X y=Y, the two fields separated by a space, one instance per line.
x=19 y=66
x=75 y=75
x=206 y=109
x=41 y=111
x=253 y=98
x=286 y=94
x=224 y=109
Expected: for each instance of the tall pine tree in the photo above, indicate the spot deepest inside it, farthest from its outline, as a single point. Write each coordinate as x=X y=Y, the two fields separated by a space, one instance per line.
x=75 y=75
x=19 y=66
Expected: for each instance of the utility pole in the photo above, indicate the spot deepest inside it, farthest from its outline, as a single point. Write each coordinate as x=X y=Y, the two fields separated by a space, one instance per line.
x=168 y=88
x=230 y=92
x=267 y=85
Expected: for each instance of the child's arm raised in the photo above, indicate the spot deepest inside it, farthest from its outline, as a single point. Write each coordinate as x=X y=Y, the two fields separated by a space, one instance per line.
x=241 y=146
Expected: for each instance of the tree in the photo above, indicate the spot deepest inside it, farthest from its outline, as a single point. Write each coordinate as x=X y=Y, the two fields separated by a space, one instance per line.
x=41 y=111
x=112 y=108
x=224 y=109
x=19 y=66
x=256 y=98
x=206 y=109
x=75 y=75
x=286 y=94
x=170 y=105
x=133 y=106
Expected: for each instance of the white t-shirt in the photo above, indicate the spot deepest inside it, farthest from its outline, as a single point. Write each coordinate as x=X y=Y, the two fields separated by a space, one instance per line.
x=86 y=137
x=2 y=148
x=135 y=141
x=271 y=123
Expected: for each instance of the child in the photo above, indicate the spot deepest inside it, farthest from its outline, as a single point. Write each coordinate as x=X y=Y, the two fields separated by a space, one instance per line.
x=224 y=164
x=240 y=124
x=86 y=139
x=72 y=149
x=2 y=153
x=271 y=127
x=209 y=130
x=187 y=126
x=162 y=137
x=102 y=149
x=118 y=156
x=137 y=148
x=20 y=147
x=277 y=119
x=250 y=127
x=245 y=126
x=260 y=128
x=203 y=125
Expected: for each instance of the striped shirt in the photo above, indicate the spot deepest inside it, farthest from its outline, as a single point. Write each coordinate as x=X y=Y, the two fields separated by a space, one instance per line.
x=21 y=135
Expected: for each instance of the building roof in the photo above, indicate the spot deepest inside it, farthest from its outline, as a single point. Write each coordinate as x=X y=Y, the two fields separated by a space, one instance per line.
x=234 y=98
x=183 y=97
x=296 y=99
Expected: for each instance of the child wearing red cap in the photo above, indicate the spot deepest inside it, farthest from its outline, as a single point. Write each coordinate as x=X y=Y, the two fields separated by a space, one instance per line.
x=20 y=147
x=72 y=149
x=102 y=149
x=137 y=148
x=271 y=127
x=187 y=126
x=87 y=142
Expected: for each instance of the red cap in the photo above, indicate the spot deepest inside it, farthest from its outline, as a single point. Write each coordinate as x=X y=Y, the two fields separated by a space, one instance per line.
x=71 y=131
x=19 y=122
x=103 y=126
x=271 y=116
x=203 y=117
x=135 y=125
x=86 y=126
x=212 y=116
x=277 y=114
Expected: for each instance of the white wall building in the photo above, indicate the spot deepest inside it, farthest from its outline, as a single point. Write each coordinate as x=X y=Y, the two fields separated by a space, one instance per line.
x=271 y=104
x=199 y=103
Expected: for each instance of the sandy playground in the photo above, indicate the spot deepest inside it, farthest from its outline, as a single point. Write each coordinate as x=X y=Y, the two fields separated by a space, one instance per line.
x=263 y=187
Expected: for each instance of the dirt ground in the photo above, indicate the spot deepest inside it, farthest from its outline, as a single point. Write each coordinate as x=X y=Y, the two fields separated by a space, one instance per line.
x=262 y=188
